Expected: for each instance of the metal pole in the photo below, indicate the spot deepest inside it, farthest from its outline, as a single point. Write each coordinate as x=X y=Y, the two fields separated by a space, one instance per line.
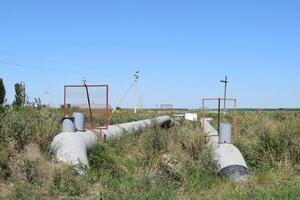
x=225 y=92
x=106 y=116
x=219 y=105
x=90 y=109
x=136 y=77
x=65 y=101
x=135 y=94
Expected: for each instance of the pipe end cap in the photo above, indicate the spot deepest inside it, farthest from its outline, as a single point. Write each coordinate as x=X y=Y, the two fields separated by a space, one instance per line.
x=235 y=173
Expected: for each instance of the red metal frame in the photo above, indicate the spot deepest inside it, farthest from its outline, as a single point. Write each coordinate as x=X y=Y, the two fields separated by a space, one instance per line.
x=84 y=86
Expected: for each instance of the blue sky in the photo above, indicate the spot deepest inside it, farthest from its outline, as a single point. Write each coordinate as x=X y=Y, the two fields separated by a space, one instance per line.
x=182 y=48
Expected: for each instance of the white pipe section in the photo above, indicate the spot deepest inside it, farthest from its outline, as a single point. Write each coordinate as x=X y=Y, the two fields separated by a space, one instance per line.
x=230 y=161
x=132 y=127
x=72 y=147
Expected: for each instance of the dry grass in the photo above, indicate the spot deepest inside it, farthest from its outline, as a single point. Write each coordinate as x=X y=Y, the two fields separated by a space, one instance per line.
x=150 y=164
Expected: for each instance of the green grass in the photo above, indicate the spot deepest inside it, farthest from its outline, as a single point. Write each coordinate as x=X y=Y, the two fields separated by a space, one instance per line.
x=150 y=164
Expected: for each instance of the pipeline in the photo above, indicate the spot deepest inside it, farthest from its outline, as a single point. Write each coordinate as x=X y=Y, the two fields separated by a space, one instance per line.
x=72 y=147
x=230 y=161
x=132 y=127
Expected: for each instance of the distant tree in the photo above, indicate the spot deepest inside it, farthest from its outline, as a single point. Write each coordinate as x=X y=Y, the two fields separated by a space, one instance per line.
x=2 y=92
x=20 y=96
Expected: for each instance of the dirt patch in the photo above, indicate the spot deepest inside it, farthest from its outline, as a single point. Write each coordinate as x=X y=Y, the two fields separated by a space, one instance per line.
x=45 y=169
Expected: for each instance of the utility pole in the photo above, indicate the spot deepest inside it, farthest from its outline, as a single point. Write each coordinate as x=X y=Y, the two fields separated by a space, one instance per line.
x=136 y=78
x=225 y=92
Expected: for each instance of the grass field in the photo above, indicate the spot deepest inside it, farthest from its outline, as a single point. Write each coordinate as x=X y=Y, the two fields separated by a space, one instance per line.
x=151 y=164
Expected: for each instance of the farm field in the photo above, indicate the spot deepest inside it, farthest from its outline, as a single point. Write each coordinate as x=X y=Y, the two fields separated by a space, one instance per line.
x=153 y=163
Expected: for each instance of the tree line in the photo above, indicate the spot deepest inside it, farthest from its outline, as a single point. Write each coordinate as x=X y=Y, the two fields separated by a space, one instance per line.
x=20 y=94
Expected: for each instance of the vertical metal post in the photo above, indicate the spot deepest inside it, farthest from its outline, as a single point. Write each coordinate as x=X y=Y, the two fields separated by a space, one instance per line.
x=219 y=102
x=136 y=77
x=65 y=100
x=90 y=109
x=225 y=92
x=135 y=95
x=106 y=107
x=225 y=95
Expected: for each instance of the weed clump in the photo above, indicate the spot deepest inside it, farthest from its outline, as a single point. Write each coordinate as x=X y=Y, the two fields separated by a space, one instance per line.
x=103 y=163
x=67 y=182
x=269 y=141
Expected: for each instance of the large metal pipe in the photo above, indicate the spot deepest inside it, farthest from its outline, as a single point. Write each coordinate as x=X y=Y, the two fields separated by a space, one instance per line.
x=230 y=161
x=132 y=127
x=72 y=147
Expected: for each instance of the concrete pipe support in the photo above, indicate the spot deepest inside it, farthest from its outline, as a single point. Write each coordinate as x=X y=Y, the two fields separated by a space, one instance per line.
x=230 y=161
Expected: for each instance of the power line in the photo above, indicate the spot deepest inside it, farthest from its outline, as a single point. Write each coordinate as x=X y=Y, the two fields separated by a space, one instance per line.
x=77 y=70
x=39 y=68
x=28 y=66
x=56 y=70
x=25 y=66
x=39 y=59
x=30 y=57
x=53 y=62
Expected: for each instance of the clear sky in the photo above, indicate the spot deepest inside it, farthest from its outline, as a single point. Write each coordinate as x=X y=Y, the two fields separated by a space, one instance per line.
x=182 y=48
